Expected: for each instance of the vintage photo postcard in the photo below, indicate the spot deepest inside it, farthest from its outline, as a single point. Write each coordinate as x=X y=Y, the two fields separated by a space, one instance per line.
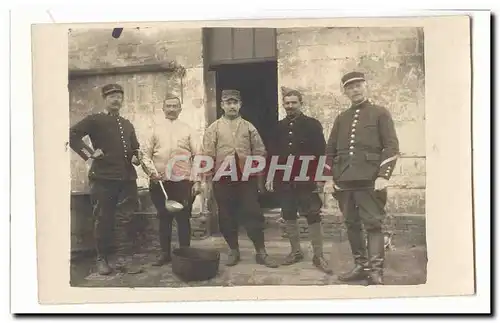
x=269 y=159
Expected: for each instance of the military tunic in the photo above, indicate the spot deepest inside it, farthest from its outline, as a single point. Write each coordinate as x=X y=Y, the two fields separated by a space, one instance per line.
x=116 y=137
x=363 y=145
x=112 y=178
x=296 y=137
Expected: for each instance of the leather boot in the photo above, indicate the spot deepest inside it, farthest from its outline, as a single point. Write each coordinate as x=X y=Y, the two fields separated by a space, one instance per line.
x=163 y=259
x=262 y=258
x=233 y=257
x=133 y=269
x=103 y=267
x=376 y=256
x=296 y=255
x=316 y=236
x=126 y=265
x=358 y=249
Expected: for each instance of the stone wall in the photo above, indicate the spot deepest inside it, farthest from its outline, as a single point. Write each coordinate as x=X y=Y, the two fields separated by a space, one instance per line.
x=95 y=50
x=313 y=61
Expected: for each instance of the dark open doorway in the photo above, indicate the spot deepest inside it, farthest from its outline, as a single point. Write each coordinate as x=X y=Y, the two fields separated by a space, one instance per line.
x=258 y=84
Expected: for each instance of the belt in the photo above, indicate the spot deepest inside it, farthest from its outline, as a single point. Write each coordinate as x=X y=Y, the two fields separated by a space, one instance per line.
x=355 y=186
x=359 y=149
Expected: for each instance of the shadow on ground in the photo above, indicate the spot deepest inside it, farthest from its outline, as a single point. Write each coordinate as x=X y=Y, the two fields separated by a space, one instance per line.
x=405 y=265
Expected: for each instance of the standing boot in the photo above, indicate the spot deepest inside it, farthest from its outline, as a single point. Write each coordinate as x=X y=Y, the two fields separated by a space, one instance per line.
x=376 y=256
x=233 y=258
x=296 y=255
x=316 y=237
x=165 y=237
x=103 y=235
x=125 y=248
x=102 y=249
x=163 y=258
x=127 y=264
x=256 y=235
x=358 y=249
x=103 y=267
x=262 y=258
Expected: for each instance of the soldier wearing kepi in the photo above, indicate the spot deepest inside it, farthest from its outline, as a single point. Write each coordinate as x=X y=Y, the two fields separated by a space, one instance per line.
x=230 y=137
x=301 y=137
x=112 y=176
x=363 y=148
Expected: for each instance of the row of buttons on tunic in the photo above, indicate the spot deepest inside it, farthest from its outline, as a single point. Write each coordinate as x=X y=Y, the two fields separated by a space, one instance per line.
x=353 y=132
x=290 y=133
x=123 y=139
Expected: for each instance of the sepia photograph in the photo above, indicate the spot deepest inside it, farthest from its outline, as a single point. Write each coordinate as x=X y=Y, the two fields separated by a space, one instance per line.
x=247 y=156
x=231 y=161
x=251 y=160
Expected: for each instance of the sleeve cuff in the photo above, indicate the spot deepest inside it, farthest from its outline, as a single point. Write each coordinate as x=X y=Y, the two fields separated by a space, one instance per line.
x=385 y=173
x=84 y=154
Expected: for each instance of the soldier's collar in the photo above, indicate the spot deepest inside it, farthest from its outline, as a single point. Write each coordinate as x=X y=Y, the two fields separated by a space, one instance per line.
x=224 y=117
x=171 y=120
x=295 y=117
x=107 y=112
x=360 y=104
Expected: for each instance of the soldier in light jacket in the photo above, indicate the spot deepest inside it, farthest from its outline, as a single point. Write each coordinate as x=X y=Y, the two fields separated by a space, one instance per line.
x=168 y=157
x=233 y=138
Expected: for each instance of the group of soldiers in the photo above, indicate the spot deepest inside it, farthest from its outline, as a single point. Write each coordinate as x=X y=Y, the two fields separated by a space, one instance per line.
x=361 y=152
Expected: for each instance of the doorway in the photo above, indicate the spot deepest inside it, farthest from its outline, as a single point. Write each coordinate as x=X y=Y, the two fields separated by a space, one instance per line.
x=258 y=85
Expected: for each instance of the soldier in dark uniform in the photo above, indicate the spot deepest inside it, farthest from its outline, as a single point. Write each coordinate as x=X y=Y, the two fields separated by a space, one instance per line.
x=363 y=148
x=299 y=136
x=112 y=176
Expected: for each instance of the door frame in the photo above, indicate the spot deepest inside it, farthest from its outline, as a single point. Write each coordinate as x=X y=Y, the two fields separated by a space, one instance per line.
x=210 y=103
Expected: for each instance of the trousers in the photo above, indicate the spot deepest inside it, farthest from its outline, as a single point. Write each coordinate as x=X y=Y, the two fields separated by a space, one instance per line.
x=113 y=204
x=238 y=204
x=362 y=207
x=180 y=192
x=301 y=198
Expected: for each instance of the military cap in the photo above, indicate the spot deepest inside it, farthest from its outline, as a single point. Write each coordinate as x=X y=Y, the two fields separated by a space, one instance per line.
x=110 y=88
x=231 y=94
x=352 y=77
x=285 y=90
